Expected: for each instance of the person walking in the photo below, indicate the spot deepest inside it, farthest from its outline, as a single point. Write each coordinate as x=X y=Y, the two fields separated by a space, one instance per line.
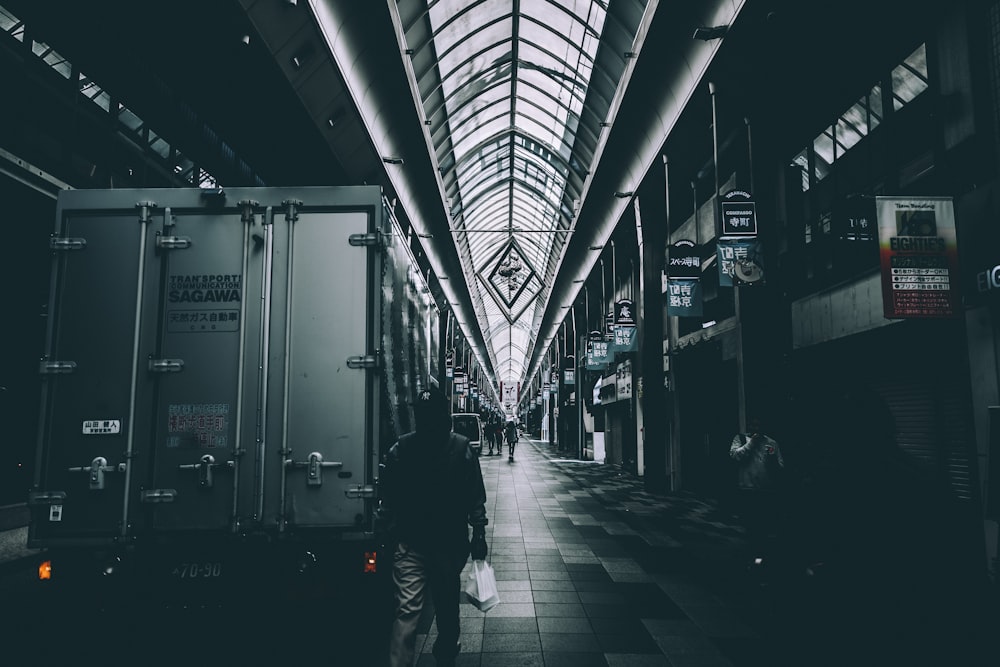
x=511 y=435
x=491 y=433
x=431 y=492
x=759 y=461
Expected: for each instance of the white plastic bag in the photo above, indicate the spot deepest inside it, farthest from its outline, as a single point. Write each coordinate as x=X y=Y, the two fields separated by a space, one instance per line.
x=481 y=587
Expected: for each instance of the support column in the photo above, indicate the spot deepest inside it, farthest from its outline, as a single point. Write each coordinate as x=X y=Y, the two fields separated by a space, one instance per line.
x=653 y=438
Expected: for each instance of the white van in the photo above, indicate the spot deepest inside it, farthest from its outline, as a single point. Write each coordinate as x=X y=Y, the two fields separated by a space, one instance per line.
x=469 y=425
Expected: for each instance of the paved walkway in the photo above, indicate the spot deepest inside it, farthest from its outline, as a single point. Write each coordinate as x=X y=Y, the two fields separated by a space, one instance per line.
x=592 y=570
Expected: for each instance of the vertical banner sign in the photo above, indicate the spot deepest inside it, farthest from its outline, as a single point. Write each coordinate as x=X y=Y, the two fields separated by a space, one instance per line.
x=623 y=380
x=449 y=363
x=732 y=251
x=624 y=339
x=597 y=355
x=918 y=248
x=684 y=297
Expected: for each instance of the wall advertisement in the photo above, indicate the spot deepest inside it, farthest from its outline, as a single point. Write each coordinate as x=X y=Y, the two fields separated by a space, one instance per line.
x=918 y=250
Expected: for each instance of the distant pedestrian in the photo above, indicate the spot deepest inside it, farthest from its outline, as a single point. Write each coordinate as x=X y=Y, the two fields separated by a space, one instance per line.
x=511 y=435
x=431 y=490
x=491 y=433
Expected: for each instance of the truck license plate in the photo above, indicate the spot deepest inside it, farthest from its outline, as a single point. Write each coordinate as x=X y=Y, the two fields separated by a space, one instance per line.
x=199 y=570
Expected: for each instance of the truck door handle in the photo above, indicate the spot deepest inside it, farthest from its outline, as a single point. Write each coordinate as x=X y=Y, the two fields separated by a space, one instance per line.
x=204 y=468
x=314 y=466
x=96 y=470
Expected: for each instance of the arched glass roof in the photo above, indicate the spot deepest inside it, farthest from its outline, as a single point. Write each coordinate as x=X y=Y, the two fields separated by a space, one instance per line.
x=515 y=96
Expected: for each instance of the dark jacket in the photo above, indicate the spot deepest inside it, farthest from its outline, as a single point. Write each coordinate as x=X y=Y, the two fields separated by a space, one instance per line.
x=511 y=432
x=431 y=495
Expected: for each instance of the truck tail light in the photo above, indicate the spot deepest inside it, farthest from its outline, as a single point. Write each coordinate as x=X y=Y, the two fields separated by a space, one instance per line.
x=45 y=570
x=370 y=565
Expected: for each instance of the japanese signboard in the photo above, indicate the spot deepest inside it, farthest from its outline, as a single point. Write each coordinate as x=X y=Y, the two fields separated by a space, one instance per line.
x=684 y=298
x=623 y=380
x=624 y=313
x=625 y=339
x=739 y=214
x=855 y=219
x=597 y=355
x=918 y=248
x=732 y=250
x=684 y=260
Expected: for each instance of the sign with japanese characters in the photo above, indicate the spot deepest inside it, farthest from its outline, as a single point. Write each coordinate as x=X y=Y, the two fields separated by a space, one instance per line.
x=918 y=249
x=684 y=260
x=624 y=313
x=625 y=339
x=731 y=250
x=684 y=298
x=855 y=219
x=739 y=214
x=201 y=303
x=198 y=425
x=597 y=355
x=623 y=380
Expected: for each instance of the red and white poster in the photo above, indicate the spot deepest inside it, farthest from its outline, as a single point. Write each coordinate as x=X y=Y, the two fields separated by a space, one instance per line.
x=918 y=248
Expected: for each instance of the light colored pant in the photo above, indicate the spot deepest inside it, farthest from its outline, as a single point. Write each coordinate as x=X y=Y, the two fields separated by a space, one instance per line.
x=412 y=572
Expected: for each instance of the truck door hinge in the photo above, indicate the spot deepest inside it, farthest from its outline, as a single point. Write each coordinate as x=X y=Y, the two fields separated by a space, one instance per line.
x=96 y=471
x=247 y=207
x=67 y=243
x=166 y=365
x=365 y=361
x=204 y=468
x=173 y=242
x=145 y=209
x=314 y=467
x=370 y=239
x=56 y=367
x=291 y=209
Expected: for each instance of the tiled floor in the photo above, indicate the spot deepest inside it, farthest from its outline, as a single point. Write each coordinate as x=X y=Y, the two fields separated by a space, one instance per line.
x=594 y=571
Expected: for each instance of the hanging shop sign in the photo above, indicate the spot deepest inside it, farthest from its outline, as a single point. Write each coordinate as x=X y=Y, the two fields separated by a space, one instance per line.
x=684 y=297
x=684 y=260
x=449 y=363
x=739 y=260
x=597 y=355
x=569 y=376
x=855 y=219
x=625 y=339
x=595 y=335
x=623 y=380
x=739 y=214
x=624 y=313
x=918 y=248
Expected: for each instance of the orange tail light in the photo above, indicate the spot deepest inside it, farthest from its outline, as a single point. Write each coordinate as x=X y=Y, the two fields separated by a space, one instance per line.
x=370 y=562
x=45 y=571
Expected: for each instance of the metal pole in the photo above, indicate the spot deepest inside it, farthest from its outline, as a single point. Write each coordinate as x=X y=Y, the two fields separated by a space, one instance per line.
x=741 y=408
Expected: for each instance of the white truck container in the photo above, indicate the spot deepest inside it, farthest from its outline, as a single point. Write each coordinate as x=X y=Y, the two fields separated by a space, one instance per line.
x=223 y=371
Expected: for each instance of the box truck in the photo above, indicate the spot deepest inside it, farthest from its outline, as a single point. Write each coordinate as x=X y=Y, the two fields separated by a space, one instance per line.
x=223 y=370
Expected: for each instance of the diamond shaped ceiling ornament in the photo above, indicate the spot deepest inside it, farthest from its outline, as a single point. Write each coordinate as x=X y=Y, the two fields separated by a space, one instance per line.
x=509 y=276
